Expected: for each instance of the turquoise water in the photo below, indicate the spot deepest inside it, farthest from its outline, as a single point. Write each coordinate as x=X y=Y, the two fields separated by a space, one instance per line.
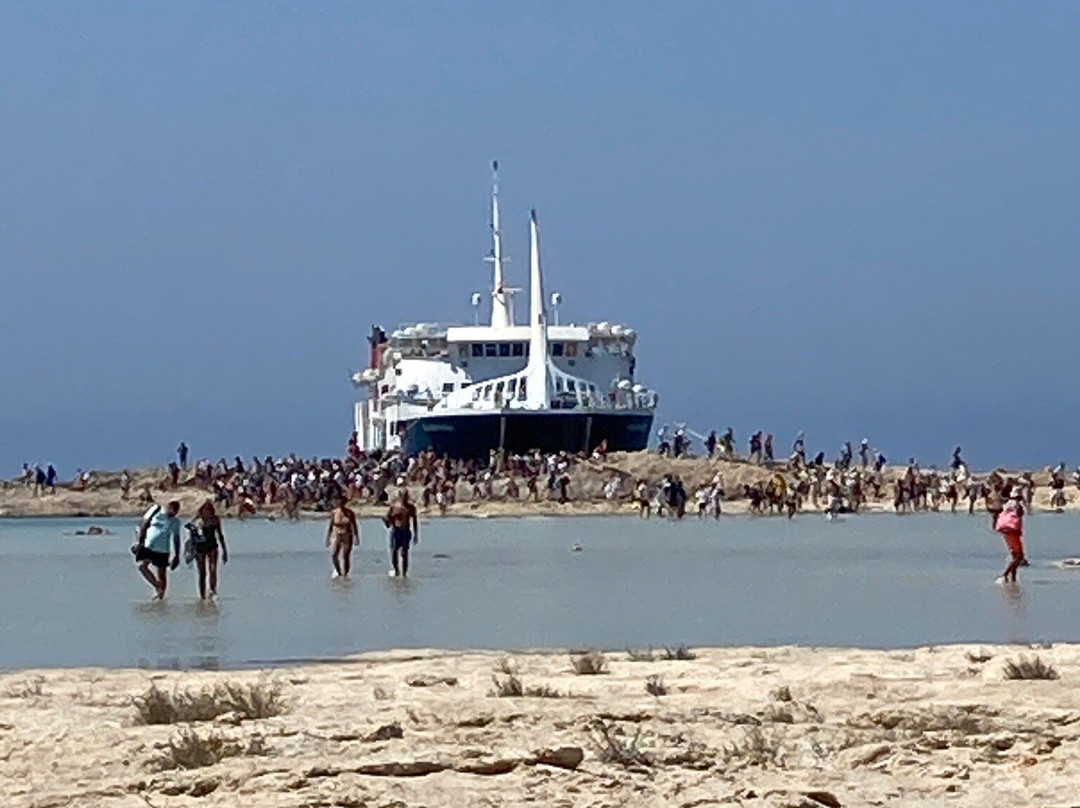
x=879 y=581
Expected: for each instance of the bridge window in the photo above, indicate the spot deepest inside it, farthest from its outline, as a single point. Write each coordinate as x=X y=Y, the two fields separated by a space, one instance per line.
x=571 y=349
x=477 y=349
x=512 y=386
x=521 y=390
x=571 y=385
x=504 y=349
x=448 y=387
x=491 y=349
x=462 y=351
x=556 y=349
x=518 y=349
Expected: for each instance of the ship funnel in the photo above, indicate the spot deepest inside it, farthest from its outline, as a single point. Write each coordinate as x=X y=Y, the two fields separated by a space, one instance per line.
x=536 y=372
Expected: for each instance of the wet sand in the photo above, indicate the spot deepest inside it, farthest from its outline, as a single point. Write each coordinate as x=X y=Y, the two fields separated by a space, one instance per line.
x=777 y=727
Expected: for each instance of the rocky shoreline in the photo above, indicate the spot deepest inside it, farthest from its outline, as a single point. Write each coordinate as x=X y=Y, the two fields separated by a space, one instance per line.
x=777 y=727
x=587 y=495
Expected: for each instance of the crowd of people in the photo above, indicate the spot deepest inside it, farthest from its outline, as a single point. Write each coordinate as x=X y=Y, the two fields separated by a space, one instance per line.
x=847 y=483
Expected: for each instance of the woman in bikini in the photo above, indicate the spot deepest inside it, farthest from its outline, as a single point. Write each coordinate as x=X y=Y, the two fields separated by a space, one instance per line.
x=207 y=539
x=341 y=534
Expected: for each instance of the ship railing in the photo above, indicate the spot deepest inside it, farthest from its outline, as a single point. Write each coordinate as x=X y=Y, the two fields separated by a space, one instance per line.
x=565 y=402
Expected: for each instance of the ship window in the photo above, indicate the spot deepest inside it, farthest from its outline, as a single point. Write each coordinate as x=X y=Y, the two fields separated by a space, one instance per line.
x=504 y=349
x=448 y=387
x=556 y=349
x=526 y=349
x=466 y=384
x=491 y=349
x=476 y=394
x=518 y=349
x=393 y=427
x=511 y=386
x=487 y=393
x=571 y=349
x=521 y=391
x=571 y=386
x=385 y=389
x=462 y=351
x=558 y=384
x=477 y=349
x=499 y=387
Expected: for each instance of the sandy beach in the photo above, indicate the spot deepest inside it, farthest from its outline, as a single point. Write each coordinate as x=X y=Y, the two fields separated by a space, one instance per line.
x=588 y=478
x=784 y=726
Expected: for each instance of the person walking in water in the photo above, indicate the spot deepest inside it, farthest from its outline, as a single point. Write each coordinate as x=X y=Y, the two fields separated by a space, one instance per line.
x=1010 y=524
x=207 y=539
x=341 y=535
x=159 y=527
x=404 y=526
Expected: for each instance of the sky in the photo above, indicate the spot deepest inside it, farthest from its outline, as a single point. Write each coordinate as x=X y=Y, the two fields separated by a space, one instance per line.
x=857 y=219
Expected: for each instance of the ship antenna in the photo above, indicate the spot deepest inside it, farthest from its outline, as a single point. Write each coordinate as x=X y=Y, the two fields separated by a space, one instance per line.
x=501 y=314
x=536 y=371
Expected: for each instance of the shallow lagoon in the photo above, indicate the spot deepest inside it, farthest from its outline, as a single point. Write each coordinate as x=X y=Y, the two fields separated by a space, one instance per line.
x=874 y=581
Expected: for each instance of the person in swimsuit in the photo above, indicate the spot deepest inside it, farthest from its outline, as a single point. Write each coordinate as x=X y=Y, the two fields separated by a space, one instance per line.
x=207 y=539
x=341 y=534
x=404 y=526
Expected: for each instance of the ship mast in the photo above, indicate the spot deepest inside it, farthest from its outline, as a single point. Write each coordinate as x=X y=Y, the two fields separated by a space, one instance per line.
x=502 y=314
x=538 y=396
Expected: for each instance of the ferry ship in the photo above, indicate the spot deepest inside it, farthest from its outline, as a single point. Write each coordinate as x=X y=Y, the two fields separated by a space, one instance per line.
x=464 y=391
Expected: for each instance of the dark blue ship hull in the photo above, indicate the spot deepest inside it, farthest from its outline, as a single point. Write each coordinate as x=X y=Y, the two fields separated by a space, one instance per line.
x=475 y=435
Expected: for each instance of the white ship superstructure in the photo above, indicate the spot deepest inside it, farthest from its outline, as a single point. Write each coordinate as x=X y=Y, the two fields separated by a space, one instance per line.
x=465 y=390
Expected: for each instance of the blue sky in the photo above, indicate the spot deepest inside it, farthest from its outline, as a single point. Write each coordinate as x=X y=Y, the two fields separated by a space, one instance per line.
x=851 y=218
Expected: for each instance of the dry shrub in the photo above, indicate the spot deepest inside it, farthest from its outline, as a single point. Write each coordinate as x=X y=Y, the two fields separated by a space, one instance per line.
x=612 y=746
x=511 y=686
x=1029 y=669
x=639 y=655
x=757 y=749
x=190 y=750
x=27 y=689
x=681 y=654
x=157 y=706
x=655 y=686
x=508 y=686
x=589 y=663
